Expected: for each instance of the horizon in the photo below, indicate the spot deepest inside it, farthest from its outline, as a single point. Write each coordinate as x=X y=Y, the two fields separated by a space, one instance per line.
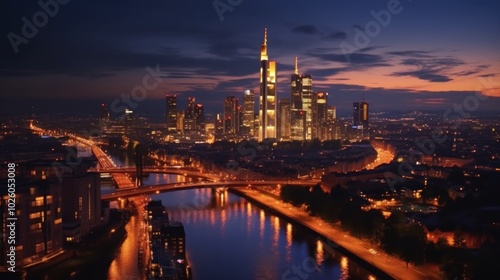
x=381 y=51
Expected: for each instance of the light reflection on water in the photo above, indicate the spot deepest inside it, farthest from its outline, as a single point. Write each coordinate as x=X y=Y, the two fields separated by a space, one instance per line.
x=229 y=238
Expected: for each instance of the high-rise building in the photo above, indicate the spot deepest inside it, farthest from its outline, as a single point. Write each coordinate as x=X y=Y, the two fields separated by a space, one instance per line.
x=298 y=125
x=104 y=118
x=268 y=94
x=360 y=115
x=320 y=115
x=129 y=121
x=219 y=126
x=180 y=121
x=199 y=116
x=284 y=119
x=248 y=112
x=231 y=115
x=302 y=99
x=171 y=112
x=189 y=116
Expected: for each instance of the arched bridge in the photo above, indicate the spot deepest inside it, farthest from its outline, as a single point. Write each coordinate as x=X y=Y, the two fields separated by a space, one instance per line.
x=130 y=192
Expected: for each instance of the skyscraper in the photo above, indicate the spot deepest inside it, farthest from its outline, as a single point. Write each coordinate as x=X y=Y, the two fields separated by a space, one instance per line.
x=248 y=112
x=189 y=116
x=171 y=112
x=199 y=117
x=298 y=125
x=302 y=99
x=284 y=110
x=320 y=115
x=103 y=118
x=360 y=115
x=268 y=94
x=231 y=115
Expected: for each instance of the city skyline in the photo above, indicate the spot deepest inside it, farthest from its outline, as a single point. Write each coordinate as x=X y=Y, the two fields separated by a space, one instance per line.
x=406 y=62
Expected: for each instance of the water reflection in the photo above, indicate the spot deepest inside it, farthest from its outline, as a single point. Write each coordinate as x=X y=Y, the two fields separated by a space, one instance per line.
x=288 y=241
x=320 y=253
x=344 y=268
x=223 y=241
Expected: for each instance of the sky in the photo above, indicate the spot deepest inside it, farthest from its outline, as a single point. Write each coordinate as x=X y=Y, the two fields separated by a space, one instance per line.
x=71 y=55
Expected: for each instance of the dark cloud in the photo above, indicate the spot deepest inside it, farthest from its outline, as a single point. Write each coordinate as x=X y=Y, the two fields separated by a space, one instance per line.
x=432 y=69
x=340 y=35
x=487 y=75
x=357 y=58
x=421 y=54
x=427 y=75
x=306 y=29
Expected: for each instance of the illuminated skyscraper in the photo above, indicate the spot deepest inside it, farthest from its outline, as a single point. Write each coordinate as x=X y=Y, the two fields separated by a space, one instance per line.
x=103 y=117
x=189 y=116
x=268 y=94
x=360 y=114
x=320 y=115
x=284 y=119
x=302 y=99
x=129 y=121
x=298 y=125
x=231 y=115
x=248 y=112
x=171 y=112
x=199 y=117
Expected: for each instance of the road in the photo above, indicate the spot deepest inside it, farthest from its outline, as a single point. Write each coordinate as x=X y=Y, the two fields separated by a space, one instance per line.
x=392 y=266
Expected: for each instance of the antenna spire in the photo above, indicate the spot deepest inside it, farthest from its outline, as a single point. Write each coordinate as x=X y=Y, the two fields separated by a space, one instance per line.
x=265 y=36
x=296 y=65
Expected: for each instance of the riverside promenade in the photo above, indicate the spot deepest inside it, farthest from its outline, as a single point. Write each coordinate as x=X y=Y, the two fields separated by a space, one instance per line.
x=365 y=251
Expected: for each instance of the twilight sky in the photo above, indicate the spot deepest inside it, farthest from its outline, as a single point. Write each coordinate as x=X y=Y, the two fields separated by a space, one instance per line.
x=427 y=55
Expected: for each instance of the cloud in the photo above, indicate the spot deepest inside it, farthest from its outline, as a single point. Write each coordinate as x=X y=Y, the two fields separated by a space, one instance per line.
x=432 y=69
x=488 y=75
x=339 y=35
x=306 y=29
x=360 y=57
x=411 y=53
x=427 y=75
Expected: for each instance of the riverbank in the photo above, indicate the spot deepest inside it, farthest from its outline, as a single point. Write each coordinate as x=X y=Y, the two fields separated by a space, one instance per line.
x=381 y=265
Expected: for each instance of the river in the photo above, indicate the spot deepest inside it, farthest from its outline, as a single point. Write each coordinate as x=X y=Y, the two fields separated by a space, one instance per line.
x=228 y=237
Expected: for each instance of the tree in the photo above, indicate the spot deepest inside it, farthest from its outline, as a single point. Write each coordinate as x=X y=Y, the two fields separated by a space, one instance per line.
x=457 y=262
x=413 y=243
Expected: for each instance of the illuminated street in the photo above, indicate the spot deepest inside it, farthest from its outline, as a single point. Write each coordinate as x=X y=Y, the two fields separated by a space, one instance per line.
x=394 y=267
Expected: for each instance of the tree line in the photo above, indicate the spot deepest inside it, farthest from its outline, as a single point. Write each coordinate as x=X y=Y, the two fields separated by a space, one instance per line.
x=397 y=235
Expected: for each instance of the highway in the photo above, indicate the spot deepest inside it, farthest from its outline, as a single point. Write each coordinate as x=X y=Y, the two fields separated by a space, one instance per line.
x=121 y=179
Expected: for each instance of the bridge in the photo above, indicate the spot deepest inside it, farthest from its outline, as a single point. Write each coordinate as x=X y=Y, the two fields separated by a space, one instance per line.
x=184 y=171
x=131 y=192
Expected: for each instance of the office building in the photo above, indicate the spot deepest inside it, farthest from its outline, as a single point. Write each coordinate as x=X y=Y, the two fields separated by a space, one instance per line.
x=268 y=94
x=248 y=112
x=320 y=115
x=302 y=99
x=231 y=116
x=284 y=119
x=171 y=113
x=189 y=123
x=199 y=116
x=360 y=115
x=104 y=118
x=298 y=125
